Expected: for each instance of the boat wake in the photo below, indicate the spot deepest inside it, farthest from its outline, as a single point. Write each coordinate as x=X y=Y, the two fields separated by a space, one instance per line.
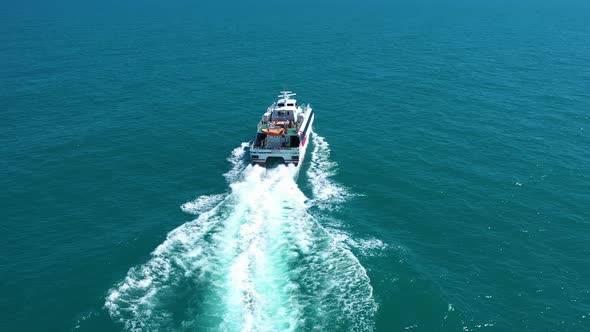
x=255 y=259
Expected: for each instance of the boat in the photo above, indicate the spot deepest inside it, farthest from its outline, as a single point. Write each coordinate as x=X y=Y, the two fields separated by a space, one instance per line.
x=282 y=133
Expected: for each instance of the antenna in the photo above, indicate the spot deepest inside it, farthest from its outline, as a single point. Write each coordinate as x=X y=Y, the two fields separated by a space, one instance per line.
x=286 y=94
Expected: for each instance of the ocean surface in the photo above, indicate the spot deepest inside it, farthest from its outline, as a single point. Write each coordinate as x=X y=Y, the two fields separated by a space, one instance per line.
x=446 y=186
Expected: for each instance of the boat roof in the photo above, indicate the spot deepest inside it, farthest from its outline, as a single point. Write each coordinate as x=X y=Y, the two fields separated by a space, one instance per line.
x=285 y=97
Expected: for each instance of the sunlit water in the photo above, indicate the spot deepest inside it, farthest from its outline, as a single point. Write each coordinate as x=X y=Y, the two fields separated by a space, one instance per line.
x=447 y=188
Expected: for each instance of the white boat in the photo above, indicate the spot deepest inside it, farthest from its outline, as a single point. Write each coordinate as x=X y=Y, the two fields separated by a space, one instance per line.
x=283 y=133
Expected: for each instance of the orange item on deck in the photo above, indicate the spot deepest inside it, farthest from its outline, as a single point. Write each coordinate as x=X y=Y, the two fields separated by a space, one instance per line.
x=274 y=132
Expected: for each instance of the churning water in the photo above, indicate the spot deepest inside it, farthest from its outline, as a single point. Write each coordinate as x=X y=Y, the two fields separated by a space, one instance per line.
x=255 y=259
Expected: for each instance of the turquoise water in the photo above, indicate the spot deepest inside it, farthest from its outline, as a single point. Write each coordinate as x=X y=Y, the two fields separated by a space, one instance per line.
x=446 y=187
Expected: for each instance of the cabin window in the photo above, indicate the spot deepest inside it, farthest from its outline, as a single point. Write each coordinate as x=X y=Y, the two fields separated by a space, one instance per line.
x=289 y=104
x=281 y=104
x=281 y=113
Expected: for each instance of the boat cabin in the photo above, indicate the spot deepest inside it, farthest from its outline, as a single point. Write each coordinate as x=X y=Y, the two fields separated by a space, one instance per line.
x=279 y=127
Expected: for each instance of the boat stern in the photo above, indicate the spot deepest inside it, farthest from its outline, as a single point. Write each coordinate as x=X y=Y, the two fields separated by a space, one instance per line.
x=273 y=157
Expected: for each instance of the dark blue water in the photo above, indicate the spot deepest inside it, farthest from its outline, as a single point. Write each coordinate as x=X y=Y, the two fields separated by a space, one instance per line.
x=446 y=187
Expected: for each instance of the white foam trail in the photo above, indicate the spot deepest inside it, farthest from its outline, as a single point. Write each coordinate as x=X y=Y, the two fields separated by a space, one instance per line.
x=135 y=300
x=202 y=204
x=238 y=163
x=255 y=261
x=365 y=246
x=327 y=195
x=253 y=279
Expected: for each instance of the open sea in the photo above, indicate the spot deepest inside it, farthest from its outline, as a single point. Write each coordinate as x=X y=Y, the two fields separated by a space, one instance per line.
x=446 y=186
